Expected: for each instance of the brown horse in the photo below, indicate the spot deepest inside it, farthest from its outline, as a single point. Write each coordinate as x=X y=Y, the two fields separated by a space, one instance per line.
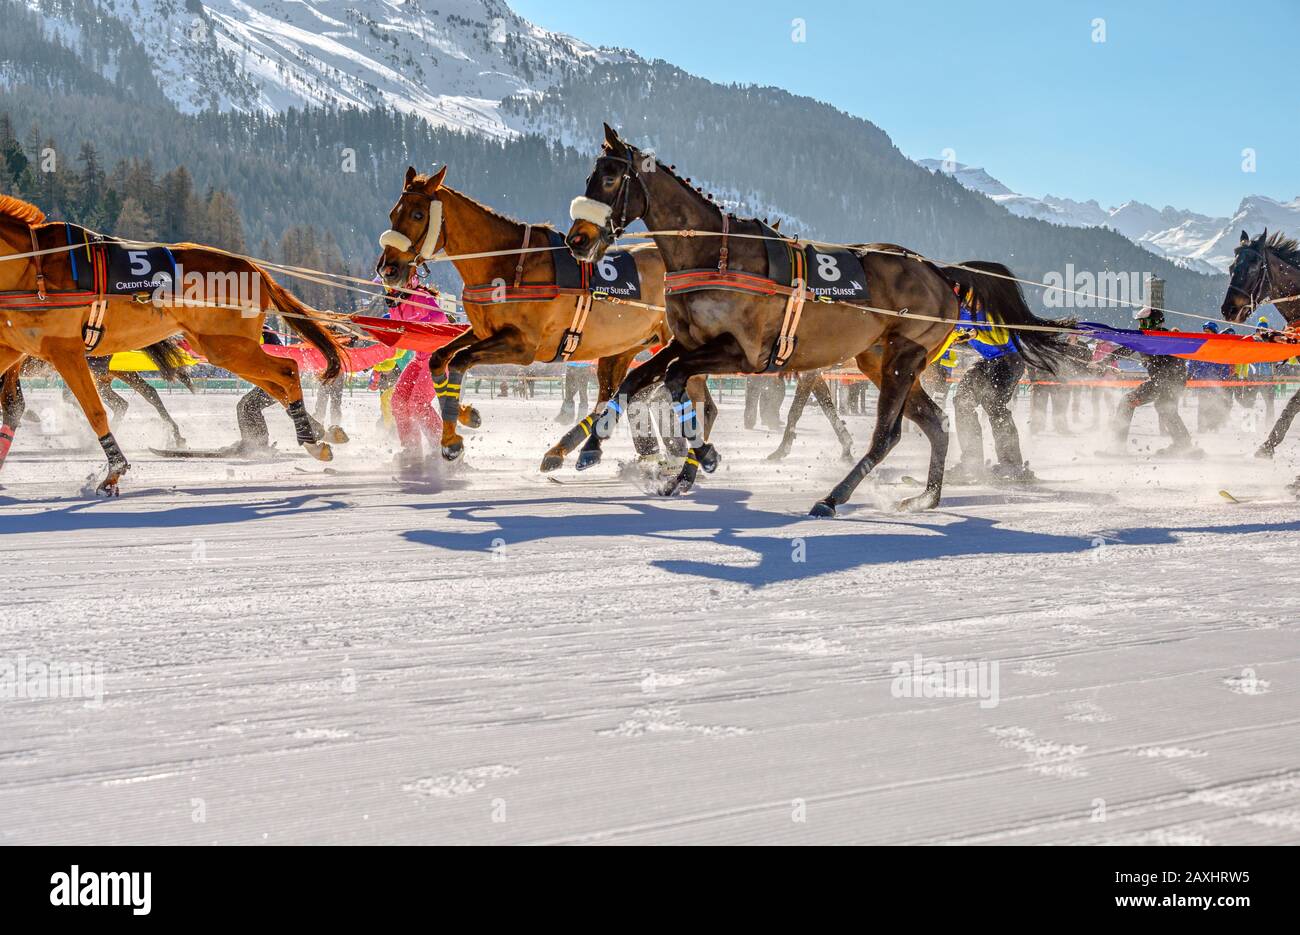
x=1265 y=271
x=430 y=217
x=718 y=330
x=46 y=315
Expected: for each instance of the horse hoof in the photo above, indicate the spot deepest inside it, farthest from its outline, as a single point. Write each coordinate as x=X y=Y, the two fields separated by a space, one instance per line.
x=823 y=509
x=779 y=454
x=552 y=461
x=469 y=417
x=921 y=502
x=1264 y=453
x=709 y=458
x=588 y=457
x=678 y=485
x=321 y=451
x=453 y=451
x=336 y=435
x=108 y=486
x=847 y=456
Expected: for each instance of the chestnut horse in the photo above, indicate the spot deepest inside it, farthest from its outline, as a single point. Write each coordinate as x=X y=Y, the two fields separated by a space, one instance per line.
x=38 y=322
x=430 y=217
x=914 y=307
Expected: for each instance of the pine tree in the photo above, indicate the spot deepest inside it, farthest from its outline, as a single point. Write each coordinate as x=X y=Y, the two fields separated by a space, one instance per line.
x=133 y=223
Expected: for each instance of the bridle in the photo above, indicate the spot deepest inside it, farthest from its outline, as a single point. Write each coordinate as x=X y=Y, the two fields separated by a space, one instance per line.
x=602 y=215
x=1259 y=293
x=432 y=228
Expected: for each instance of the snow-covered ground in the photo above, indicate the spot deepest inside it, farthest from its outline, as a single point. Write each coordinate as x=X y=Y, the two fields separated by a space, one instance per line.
x=290 y=655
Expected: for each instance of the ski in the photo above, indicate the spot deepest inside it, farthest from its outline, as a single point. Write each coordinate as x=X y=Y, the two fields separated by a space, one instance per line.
x=229 y=451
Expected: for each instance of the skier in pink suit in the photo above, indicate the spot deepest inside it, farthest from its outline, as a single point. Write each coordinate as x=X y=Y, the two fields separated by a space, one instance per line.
x=414 y=396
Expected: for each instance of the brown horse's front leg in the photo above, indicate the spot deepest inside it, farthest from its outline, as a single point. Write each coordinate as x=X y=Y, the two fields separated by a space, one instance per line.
x=70 y=362
x=438 y=363
x=505 y=347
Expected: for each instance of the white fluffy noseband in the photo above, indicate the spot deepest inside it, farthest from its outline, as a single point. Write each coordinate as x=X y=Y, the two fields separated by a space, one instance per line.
x=583 y=208
x=399 y=241
x=395 y=239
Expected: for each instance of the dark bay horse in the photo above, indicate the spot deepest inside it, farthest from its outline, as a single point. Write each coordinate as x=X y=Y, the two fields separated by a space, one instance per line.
x=1266 y=271
x=717 y=331
x=430 y=216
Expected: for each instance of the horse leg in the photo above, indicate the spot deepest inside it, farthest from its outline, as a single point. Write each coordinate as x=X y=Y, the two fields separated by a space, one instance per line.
x=722 y=354
x=606 y=418
x=1280 y=428
x=277 y=376
x=822 y=393
x=697 y=388
x=610 y=372
x=465 y=415
x=70 y=361
x=927 y=414
x=11 y=398
x=802 y=390
x=899 y=365
x=505 y=347
x=150 y=395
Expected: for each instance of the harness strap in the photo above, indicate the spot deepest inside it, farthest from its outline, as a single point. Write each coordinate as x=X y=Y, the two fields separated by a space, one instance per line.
x=786 y=340
x=92 y=332
x=519 y=267
x=723 y=251
x=37 y=262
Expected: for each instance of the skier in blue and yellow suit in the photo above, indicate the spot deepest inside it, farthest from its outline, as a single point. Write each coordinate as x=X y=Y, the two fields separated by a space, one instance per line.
x=991 y=384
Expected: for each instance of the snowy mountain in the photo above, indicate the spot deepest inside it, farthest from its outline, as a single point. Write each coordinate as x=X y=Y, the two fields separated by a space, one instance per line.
x=450 y=61
x=1194 y=241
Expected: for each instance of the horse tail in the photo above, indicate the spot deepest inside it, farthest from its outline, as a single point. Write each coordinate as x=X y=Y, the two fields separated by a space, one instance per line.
x=308 y=324
x=171 y=362
x=1001 y=298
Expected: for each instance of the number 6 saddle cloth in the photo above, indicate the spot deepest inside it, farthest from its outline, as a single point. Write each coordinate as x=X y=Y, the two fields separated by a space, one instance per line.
x=615 y=277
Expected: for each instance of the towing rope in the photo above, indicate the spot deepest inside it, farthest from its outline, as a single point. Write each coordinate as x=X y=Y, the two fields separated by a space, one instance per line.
x=346 y=282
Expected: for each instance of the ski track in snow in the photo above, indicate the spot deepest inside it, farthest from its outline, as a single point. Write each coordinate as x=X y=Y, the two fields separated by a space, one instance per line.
x=294 y=656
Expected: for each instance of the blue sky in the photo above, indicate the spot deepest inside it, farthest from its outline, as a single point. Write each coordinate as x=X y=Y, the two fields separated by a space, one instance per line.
x=1159 y=112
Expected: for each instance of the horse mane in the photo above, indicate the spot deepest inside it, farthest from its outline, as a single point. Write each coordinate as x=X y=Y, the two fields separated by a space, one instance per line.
x=499 y=215
x=1285 y=248
x=671 y=172
x=21 y=210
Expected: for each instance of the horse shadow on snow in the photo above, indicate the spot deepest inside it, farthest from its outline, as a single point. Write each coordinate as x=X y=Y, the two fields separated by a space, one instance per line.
x=769 y=537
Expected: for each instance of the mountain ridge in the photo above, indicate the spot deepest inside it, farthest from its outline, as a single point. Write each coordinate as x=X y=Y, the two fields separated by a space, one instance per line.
x=1197 y=241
